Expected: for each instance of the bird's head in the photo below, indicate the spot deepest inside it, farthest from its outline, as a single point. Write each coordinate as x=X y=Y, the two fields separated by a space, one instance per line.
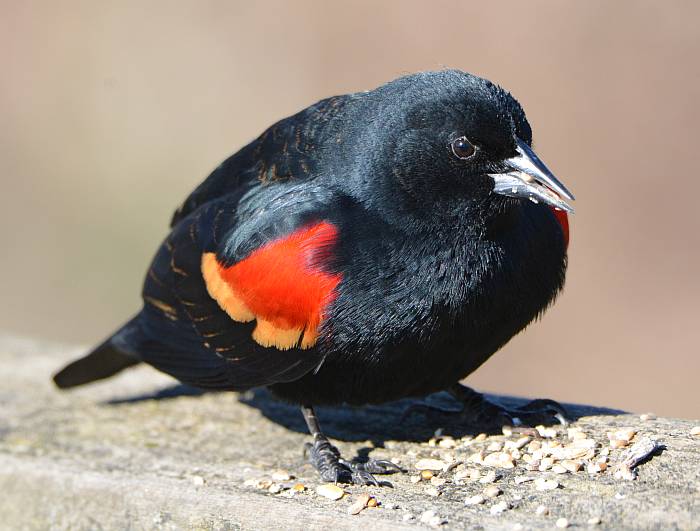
x=449 y=139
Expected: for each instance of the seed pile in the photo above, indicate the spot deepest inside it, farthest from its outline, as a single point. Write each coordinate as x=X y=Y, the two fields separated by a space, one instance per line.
x=486 y=468
x=537 y=456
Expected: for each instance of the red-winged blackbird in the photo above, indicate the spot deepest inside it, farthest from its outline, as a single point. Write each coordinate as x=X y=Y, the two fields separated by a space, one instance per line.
x=374 y=246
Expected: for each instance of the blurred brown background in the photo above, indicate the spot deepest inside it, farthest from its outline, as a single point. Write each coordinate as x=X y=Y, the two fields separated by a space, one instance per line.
x=111 y=112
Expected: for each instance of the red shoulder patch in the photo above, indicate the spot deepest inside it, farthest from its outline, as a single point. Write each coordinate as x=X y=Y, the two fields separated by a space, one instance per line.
x=281 y=285
x=563 y=220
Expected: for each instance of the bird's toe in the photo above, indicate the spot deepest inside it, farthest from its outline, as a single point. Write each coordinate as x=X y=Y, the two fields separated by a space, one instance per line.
x=541 y=411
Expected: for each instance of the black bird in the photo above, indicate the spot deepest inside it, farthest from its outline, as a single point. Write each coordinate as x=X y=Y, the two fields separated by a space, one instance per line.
x=372 y=247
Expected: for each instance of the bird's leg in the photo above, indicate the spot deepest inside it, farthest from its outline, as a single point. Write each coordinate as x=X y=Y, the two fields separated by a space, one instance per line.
x=326 y=458
x=477 y=410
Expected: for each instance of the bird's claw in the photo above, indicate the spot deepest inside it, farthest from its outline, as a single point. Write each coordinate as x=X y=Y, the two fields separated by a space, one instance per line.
x=362 y=477
x=325 y=458
x=378 y=466
x=539 y=411
x=478 y=411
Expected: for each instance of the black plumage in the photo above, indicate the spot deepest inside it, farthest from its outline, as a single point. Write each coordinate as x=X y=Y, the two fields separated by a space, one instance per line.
x=438 y=270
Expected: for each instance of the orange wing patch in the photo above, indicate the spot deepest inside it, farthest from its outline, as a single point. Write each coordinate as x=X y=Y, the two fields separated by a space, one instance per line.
x=280 y=285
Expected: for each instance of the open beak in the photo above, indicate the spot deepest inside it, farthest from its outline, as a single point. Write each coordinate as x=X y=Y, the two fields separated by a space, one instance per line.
x=528 y=177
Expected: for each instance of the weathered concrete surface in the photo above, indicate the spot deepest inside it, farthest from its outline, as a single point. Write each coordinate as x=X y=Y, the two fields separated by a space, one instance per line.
x=139 y=452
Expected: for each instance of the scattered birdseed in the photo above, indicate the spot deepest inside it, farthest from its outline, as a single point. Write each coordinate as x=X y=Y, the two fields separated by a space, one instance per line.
x=480 y=437
x=499 y=507
x=546 y=484
x=359 y=504
x=477 y=499
x=454 y=464
x=432 y=491
x=594 y=521
x=281 y=475
x=299 y=487
x=372 y=502
x=542 y=510
x=584 y=443
x=499 y=459
x=507 y=430
x=618 y=443
x=570 y=452
x=647 y=416
x=634 y=455
x=263 y=484
x=545 y=464
x=523 y=479
x=430 y=464
x=447 y=442
x=275 y=488
x=596 y=468
x=575 y=433
x=449 y=459
x=546 y=433
x=477 y=457
x=570 y=465
x=534 y=446
x=559 y=469
x=492 y=491
x=495 y=446
x=415 y=479
x=330 y=491
x=463 y=474
x=489 y=477
x=437 y=482
x=626 y=434
x=426 y=474
x=198 y=480
x=695 y=432
x=519 y=444
x=562 y=523
x=474 y=475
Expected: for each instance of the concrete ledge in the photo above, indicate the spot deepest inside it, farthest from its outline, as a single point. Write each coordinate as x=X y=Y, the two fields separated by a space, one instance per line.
x=141 y=452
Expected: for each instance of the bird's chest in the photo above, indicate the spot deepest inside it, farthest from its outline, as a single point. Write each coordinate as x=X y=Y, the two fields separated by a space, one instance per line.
x=429 y=313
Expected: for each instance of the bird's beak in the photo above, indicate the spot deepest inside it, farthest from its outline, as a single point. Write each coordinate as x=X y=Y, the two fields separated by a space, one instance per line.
x=527 y=176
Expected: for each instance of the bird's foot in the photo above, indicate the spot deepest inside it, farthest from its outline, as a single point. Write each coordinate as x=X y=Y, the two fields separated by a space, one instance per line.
x=332 y=468
x=477 y=410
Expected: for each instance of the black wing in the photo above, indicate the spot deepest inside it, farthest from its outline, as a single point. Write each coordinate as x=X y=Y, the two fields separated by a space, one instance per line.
x=283 y=152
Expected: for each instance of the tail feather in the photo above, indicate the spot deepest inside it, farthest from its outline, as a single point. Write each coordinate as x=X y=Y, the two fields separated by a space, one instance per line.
x=104 y=361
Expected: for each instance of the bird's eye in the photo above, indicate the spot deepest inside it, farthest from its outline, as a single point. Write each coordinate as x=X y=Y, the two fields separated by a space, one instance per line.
x=462 y=148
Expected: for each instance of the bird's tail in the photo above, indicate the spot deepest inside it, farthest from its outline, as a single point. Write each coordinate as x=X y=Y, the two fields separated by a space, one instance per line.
x=104 y=361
